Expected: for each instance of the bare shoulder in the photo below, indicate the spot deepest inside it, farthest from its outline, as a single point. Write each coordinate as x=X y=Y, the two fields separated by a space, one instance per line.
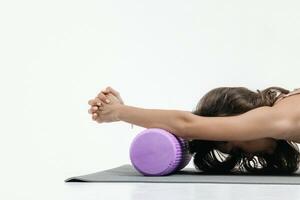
x=289 y=109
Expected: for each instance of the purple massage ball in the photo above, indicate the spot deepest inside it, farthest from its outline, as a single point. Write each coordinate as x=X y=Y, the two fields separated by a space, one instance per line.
x=157 y=152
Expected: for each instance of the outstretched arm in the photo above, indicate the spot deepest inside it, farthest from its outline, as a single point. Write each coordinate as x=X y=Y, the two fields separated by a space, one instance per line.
x=170 y=120
x=115 y=110
x=261 y=122
x=258 y=123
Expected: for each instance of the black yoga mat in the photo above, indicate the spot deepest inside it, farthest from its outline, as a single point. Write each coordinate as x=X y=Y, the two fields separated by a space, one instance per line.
x=126 y=173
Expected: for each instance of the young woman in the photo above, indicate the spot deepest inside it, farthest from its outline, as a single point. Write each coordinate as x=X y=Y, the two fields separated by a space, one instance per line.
x=249 y=127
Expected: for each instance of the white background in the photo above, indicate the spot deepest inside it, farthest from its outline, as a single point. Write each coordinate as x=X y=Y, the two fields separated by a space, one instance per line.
x=56 y=55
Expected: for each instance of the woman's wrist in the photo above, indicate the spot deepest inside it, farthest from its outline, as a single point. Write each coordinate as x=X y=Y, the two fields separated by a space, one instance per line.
x=119 y=110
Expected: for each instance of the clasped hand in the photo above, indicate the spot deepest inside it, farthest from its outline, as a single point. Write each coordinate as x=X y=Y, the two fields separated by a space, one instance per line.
x=105 y=106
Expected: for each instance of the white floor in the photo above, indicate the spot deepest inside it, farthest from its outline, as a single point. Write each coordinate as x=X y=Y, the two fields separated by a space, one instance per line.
x=151 y=191
x=145 y=191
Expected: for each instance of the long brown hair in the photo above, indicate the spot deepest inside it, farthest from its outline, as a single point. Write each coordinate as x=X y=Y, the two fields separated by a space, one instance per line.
x=229 y=101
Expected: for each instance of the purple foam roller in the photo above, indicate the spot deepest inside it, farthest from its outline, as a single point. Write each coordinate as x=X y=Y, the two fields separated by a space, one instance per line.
x=157 y=152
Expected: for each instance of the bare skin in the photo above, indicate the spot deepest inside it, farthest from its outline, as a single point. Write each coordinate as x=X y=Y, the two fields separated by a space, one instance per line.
x=170 y=120
x=287 y=107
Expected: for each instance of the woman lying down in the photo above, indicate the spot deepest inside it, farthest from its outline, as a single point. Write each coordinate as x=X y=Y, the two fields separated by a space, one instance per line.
x=254 y=132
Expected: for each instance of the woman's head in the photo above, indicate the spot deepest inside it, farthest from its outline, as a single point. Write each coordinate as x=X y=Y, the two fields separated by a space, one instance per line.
x=263 y=145
x=271 y=156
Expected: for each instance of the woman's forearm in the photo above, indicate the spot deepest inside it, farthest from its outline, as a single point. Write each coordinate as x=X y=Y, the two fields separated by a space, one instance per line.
x=170 y=120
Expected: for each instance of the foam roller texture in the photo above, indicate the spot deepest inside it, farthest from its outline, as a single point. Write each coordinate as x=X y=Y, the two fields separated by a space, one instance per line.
x=157 y=152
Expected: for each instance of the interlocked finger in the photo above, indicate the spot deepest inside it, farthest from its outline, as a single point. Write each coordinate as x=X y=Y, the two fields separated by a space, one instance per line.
x=94 y=116
x=103 y=98
x=93 y=109
x=98 y=101
x=100 y=108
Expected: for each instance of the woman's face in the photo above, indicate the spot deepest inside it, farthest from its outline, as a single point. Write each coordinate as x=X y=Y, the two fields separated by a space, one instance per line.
x=266 y=145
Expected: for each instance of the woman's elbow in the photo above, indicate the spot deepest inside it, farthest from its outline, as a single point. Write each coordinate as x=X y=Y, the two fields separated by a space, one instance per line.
x=182 y=129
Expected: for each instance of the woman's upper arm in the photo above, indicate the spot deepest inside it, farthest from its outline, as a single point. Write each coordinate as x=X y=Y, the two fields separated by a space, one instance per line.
x=258 y=123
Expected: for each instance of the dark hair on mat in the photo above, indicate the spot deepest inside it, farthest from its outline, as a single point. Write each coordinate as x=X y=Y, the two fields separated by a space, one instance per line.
x=229 y=101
